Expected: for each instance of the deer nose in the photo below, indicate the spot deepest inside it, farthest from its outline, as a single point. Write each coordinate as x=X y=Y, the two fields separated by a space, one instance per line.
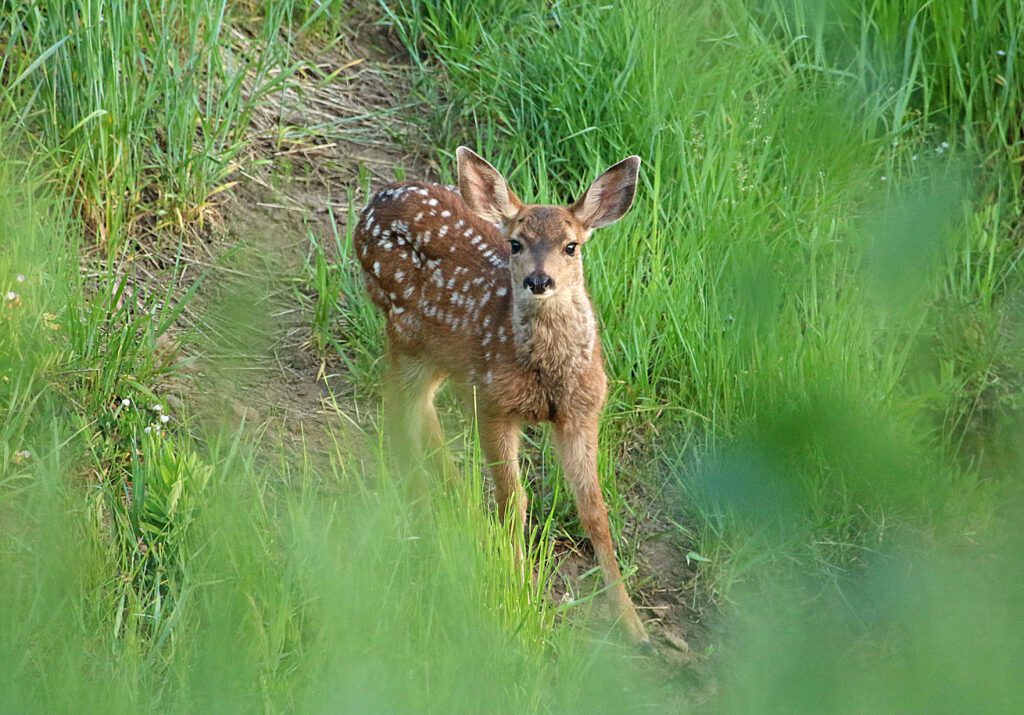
x=538 y=282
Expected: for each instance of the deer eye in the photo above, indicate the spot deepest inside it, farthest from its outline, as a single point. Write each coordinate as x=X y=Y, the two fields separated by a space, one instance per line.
x=516 y=246
x=571 y=249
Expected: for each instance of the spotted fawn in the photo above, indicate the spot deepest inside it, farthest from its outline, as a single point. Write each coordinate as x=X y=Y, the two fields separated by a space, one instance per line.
x=488 y=291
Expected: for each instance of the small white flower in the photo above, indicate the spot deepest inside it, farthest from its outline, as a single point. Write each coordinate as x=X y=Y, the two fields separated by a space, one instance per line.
x=158 y=408
x=914 y=157
x=25 y=454
x=165 y=418
x=147 y=429
x=945 y=145
x=885 y=178
x=20 y=278
x=125 y=402
x=11 y=295
x=1001 y=53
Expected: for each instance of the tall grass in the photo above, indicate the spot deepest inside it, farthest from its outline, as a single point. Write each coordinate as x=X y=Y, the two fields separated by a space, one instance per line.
x=810 y=321
x=180 y=565
x=142 y=105
x=157 y=560
x=821 y=262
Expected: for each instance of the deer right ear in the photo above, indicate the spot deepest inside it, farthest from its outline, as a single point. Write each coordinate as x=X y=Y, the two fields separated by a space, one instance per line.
x=610 y=196
x=485 y=190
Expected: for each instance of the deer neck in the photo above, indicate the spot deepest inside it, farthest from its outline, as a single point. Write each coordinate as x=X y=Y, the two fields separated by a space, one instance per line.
x=555 y=336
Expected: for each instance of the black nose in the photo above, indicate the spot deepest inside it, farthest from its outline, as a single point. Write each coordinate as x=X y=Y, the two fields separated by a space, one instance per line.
x=538 y=282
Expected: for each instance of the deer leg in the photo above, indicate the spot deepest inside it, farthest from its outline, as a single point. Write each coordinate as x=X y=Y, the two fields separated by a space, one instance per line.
x=577 y=447
x=499 y=439
x=410 y=386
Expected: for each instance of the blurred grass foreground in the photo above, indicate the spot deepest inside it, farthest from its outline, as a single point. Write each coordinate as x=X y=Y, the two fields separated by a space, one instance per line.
x=812 y=320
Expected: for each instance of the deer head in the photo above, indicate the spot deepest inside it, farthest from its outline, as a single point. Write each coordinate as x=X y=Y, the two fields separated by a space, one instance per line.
x=545 y=242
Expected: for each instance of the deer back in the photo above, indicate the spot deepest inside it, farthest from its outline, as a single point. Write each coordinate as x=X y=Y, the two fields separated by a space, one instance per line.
x=438 y=272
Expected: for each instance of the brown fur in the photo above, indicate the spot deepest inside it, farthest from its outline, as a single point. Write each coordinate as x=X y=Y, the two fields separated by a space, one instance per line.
x=439 y=263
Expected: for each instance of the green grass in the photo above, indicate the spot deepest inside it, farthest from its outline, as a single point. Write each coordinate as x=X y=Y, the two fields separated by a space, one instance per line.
x=180 y=565
x=810 y=318
x=823 y=238
x=141 y=105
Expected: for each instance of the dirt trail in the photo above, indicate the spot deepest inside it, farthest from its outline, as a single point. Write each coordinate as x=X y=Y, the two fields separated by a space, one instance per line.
x=338 y=122
x=317 y=142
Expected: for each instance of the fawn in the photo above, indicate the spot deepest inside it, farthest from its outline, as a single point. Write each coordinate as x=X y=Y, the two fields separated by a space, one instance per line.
x=487 y=290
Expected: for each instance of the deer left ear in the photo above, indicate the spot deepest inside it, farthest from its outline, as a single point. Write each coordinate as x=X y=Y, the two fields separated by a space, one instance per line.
x=610 y=196
x=484 y=189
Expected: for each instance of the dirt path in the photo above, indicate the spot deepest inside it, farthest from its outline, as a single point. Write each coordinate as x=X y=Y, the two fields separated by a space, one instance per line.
x=317 y=142
x=340 y=121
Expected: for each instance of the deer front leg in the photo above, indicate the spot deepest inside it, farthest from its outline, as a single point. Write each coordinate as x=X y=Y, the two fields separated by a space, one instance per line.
x=577 y=447
x=500 y=441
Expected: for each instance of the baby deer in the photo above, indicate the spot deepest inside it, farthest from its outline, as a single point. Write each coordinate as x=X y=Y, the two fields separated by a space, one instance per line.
x=487 y=290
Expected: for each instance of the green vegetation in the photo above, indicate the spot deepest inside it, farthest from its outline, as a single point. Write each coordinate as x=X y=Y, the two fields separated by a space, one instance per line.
x=150 y=563
x=811 y=318
x=814 y=297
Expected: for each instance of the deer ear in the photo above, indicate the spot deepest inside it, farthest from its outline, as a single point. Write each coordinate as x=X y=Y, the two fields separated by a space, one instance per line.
x=484 y=190
x=610 y=196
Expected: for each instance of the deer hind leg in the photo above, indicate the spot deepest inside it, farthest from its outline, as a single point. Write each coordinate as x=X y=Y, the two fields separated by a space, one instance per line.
x=410 y=416
x=499 y=439
x=577 y=447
